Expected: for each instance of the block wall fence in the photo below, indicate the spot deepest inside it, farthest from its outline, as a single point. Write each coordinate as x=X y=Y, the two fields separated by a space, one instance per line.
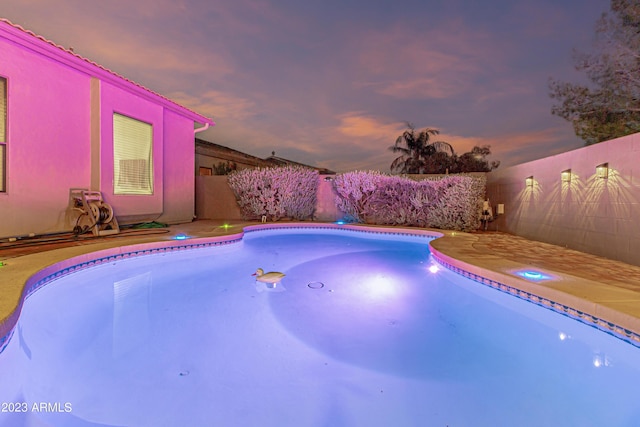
x=585 y=212
x=215 y=200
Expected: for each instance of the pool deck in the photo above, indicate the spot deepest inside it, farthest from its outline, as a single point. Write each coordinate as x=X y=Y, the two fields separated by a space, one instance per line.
x=600 y=287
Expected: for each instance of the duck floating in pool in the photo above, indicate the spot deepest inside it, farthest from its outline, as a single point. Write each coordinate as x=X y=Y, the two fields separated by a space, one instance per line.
x=272 y=277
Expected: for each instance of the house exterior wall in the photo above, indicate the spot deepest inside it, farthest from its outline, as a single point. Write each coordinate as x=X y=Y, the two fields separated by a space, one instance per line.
x=60 y=111
x=48 y=132
x=598 y=216
x=128 y=207
x=179 y=180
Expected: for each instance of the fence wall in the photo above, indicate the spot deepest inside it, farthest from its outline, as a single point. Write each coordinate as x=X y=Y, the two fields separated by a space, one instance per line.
x=215 y=200
x=590 y=214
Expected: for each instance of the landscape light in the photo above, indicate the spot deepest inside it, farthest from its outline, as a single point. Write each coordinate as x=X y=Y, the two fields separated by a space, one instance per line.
x=529 y=181
x=602 y=171
x=181 y=236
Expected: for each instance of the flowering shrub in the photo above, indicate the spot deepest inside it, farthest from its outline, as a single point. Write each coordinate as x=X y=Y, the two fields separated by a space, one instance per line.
x=450 y=202
x=354 y=190
x=281 y=192
x=460 y=203
x=400 y=201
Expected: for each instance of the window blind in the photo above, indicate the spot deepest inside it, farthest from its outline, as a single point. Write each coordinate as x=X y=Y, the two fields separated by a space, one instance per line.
x=3 y=186
x=3 y=109
x=3 y=134
x=132 y=156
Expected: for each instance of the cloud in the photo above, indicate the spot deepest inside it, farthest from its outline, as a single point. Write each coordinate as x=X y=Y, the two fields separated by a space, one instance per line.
x=364 y=127
x=440 y=62
x=132 y=43
x=329 y=83
x=517 y=147
x=220 y=105
x=418 y=88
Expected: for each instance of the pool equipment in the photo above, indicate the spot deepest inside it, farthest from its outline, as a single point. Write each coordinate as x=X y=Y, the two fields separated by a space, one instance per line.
x=95 y=214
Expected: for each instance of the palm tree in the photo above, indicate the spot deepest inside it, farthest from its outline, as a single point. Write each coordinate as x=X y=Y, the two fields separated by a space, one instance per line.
x=416 y=149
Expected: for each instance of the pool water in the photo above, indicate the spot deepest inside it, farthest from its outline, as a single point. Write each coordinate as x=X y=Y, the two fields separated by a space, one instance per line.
x=364 y=330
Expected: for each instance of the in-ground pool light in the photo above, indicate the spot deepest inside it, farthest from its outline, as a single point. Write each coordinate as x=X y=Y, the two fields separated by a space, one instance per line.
x=347 y=219
x=181 y=236
x=533 y=275
x=433 y=268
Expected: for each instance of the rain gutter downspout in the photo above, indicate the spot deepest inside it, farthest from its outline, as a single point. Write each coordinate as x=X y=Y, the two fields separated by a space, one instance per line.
x=202 y=129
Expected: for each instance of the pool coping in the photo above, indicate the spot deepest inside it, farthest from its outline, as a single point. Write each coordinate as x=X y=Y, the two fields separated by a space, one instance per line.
x=505 y=279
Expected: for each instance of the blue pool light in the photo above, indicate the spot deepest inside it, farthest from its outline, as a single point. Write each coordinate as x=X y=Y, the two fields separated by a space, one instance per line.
x=533 y=275
x=181 y=236
x=347 y=219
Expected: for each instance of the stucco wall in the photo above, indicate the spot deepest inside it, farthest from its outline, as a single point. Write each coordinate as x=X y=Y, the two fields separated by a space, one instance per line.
x=598 y=216
x=115 y=100
x=179 y=197
x=48 y=134
x=215 y=200
x=60 y=136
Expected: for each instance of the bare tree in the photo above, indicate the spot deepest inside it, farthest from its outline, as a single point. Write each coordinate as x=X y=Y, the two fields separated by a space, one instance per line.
x=609 y=106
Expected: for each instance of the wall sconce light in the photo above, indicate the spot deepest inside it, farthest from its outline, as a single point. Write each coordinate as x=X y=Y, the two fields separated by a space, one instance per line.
x=602 y=171
x=529 y=181
x=566 y=175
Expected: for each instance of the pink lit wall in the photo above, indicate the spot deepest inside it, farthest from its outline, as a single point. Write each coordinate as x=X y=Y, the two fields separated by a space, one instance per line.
x=60 y=136
x=179 y=180
x=589 y=214
x=115 y=100
x=48 y=131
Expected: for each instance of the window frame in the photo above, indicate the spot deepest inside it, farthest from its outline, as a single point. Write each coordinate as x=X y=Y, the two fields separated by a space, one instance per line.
x=207 y=171
x=4 y=106
x=127 y=157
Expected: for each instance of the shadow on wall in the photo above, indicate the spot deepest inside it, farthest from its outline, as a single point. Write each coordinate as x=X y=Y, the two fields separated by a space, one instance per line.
x=593 y=207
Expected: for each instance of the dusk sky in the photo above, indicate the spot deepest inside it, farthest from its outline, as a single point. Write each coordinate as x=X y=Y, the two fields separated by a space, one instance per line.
x=331 y=83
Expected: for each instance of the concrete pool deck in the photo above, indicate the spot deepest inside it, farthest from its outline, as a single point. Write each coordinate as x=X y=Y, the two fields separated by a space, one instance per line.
x=607 y=289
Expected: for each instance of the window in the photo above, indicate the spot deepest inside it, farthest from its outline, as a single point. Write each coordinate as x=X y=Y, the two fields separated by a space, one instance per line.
x=3 y=134
x=205 y=171
x=132 y=156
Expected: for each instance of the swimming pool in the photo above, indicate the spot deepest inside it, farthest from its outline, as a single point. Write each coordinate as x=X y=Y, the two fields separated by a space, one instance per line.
x=365 y=329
